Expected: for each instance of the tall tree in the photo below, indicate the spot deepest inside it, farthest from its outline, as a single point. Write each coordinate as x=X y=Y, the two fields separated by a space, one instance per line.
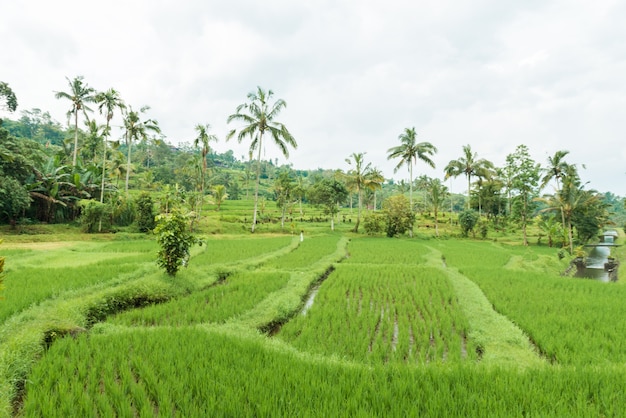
x=556 y=169
x=328 y=193
x=136 y=129
x=203 y=138
x=259 y=115
x=526 y=174
x=436 y=194
x=108 y=101
x=469 y=165
x=358 y=179
x=80 y=95
x=409 y=152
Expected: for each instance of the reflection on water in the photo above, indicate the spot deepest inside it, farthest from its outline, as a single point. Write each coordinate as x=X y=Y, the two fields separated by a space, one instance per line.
x=595 y=264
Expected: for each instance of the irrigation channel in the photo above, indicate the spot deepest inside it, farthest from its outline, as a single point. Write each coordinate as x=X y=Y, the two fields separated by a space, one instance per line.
x=597 y=265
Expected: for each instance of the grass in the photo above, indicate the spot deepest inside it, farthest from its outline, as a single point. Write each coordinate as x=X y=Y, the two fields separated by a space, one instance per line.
x=113 y=335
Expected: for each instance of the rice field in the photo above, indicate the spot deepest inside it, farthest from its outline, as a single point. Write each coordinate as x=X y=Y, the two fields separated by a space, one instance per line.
x=266 y=325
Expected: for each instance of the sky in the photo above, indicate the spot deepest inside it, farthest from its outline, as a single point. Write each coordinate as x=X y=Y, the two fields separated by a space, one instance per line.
x=494 y=74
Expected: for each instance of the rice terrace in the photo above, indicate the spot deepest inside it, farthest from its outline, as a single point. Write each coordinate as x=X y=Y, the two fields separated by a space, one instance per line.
x=392 y=331
x=141 y=279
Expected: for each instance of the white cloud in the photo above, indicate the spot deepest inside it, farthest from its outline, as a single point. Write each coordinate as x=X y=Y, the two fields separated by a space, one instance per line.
x=493 y=74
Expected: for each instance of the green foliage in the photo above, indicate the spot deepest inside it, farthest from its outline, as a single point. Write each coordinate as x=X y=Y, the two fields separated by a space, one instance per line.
x=175 y=241
x=145 y=212
x=91 y=212
x=373 y=223
x=14 y=199
x=468 y=220
x=8 y=96
x=399 y=218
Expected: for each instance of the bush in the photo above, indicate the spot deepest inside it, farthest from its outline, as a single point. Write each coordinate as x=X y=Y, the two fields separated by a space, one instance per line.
x=175 y=241
x=468 y=220
x=145 y=213
x=95 y=216
x=399 y=216
x=373 y=223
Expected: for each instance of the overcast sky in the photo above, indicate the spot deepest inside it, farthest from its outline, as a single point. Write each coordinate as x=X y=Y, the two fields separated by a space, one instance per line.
x=550 y=74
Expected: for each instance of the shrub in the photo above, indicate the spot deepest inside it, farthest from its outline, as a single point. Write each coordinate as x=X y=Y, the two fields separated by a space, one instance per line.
x=145 y=213
x=175 y=241
x=373 y=223
x=399 y=216
x=468 y=220
x=95 y=216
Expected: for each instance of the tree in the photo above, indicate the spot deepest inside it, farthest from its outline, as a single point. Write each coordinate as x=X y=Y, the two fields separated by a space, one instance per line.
x=283 y=191
x=203 y=138
x=375 y=180
x=556 y=169
x=399 y=216
x=9 y=97
x=409 y=152
x=219 y=195
x=468 y=220
x=525 y=180
x=469 y=165
x=174 y=240
x=358 y=179
x=328 y=193
x=136 y=129
x=436 y=194
x=258 y=116
x=107 y=102
x=145 y=213
x=14 y=199
x=80 y=94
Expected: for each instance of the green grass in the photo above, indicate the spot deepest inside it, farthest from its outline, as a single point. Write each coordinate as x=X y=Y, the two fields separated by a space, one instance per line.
x=402 y=327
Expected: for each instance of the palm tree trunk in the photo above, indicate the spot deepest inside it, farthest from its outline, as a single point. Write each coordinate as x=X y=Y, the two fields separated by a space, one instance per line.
x=129 y=143
x=469 y=187
x=258 y=180
x=74 y=158
x=358 y=215
x=104 y=161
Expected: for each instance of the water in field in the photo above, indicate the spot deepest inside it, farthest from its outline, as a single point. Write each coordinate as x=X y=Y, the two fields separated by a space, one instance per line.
x=595 y=264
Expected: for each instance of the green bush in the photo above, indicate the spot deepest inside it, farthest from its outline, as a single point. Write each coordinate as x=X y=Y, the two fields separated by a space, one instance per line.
x=373 y=223
x=175 y=241
x=145 y=213
x=468 y=220
x=95 y=216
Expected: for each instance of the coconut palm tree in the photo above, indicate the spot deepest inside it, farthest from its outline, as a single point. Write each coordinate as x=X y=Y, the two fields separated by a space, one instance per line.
x=136 y=129
x=409 y=152
x=359 y=178
x=258 y=116
x=203 y=138
x=80 y=94
x=556 y=169
x=470 y=165
x=107 y=102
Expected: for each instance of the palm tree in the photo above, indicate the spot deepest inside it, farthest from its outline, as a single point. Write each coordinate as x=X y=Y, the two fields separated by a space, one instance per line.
x=470 y=165
x=107 y=102
x=258 y=116
x=556 y=169
x=359 y=178
x=136 y=129
x=80 y=94
x=203 y=138
x=375 y=180
x=436 y=193
x=409 y=152
x=219 y=195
